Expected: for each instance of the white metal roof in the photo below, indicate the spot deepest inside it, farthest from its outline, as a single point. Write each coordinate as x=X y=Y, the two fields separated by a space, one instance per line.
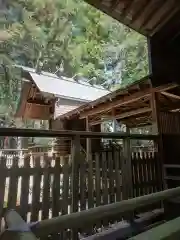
x=64 y=87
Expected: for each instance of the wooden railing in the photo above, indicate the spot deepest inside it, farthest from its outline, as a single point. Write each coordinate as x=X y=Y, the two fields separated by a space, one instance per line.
x=83 y=218
x=63 y=185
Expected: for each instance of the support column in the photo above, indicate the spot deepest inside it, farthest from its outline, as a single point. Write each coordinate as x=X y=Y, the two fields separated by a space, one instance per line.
x=88 y=141
x=75 y=156
x=155 y=112
x=156 y=129
x=127 y=183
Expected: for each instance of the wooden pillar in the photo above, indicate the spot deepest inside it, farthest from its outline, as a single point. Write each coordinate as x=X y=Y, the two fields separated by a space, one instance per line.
x=156 y=129
x=127 y=184
x=155 y=112
x=88 y=141
x=126 y=171
x=75 y=155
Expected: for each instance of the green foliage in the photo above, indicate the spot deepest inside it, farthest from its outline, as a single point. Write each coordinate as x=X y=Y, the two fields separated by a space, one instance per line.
x=71 y=38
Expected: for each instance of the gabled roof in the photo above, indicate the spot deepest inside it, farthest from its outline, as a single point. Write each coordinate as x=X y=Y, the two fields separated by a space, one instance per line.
x=66 y=88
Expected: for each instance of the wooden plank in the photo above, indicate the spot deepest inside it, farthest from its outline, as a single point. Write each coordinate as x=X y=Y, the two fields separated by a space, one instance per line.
x=13 y=185
x=65 y=189
x=135 y=172
x=104 y=178
x=90 y=183
x=25 y=188
x=65 y=192
x=118 y=179
x=75 y=153
x=97 y=179
x=2 y=184
x=75 y=172
x=46 y=187
x=144 y=156
x=127 y=170
x=111 y=177
x=36 y=190
x=149 y=173
x=83 y=176
x=141 y=177
x=56 y=187
x=154 y=176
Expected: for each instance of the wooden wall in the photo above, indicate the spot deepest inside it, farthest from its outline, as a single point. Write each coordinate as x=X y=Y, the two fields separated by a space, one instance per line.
x=164 y=53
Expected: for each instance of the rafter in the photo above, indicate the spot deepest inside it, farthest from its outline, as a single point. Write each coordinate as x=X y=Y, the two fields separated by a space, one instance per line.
x=171 y=95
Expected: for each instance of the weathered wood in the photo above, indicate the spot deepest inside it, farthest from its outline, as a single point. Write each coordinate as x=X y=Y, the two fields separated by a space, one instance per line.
x=13 y=185
x=90 y=183
x=36 y=191
x=127 y=170
x=78 y=219
x=46 y=188
x=83 y=177
x=2 y=184
x=25 y=189
x=118 y=177
x=97 y=180
x=88 y=140
x=123 y=115
x=140 y=166
x=75 y=154
x=56 y=188
x=135 y=173
x=65 y=188
x=104 y=178
x=67 y=133
x=125 y=100
x=111 y=177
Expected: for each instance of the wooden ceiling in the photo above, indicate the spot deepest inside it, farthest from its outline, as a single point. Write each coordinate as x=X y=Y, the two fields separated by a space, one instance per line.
x=144 y=16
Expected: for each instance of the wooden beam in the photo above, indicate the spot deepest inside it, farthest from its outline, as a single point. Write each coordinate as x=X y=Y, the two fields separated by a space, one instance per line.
x=114 y=104
x=77 y=219
x=125 y=100
x=171 y=95
x=124 y=115
x=20 y=132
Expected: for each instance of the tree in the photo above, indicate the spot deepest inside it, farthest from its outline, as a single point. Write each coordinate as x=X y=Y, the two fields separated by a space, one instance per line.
x=70 y=38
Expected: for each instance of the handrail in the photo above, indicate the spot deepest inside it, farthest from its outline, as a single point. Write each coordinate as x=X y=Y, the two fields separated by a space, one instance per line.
x=67 y=133
x=78 y=219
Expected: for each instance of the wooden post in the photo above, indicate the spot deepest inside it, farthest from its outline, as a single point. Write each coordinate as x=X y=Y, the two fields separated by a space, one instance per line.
x=88 y=141
x=75 y=153
x=127 y=184
x=159 y=144
x=155 y=112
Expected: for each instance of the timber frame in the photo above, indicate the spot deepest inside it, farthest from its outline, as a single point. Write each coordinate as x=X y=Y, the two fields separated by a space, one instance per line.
x=133 y=106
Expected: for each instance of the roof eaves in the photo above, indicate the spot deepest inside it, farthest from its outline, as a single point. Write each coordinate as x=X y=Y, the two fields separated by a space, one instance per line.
x=102 y=99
